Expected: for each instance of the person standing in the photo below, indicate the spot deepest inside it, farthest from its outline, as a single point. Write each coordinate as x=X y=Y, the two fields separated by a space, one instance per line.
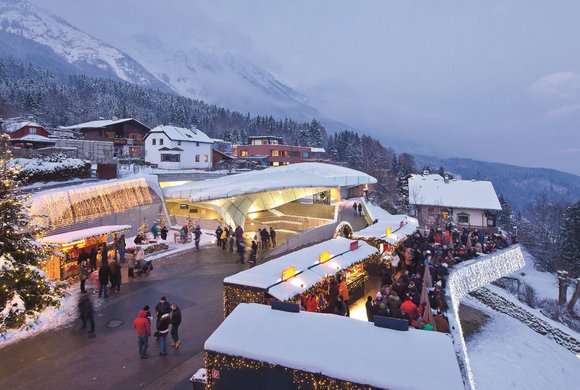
x=121 y=247
x=354 y=207
x=197 y=236
x=224 y=238
x=85 y=306
x=258 y=238
x=218 y=235
x=253 y=252
x=105 y=254
x=117 y=277
x=104 y=275
x=163 y=307
x=93 y=258
x=155 y=230
x=175 y=322
x=143 y=328
x=369 y=308
x=113 y=275
x=360 y=209
x=241 y=248
x=273 y=236
x=84 y=275
x=163 y=329
x=164 y=232
x=343 y=292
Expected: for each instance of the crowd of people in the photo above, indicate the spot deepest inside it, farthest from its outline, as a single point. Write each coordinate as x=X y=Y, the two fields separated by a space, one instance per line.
x=228 y=237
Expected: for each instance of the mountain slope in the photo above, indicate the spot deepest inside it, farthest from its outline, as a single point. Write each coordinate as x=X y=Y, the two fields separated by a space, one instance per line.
x=36 y=36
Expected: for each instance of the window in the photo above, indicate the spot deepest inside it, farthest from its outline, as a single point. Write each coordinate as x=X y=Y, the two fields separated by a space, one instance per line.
x=197 y=144
x=463 y=218
x=160 y=141
x=32 y=130
x=170 y=157
x=275 y=153
x=244 y=153
x=304 y=154
x=205 y=158
x=178 y=143
x=153 y=141
x=275 y=163
x=197 y=158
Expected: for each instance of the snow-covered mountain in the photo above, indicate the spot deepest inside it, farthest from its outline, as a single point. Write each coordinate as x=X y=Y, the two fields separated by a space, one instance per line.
x=219 y=77
x=35 y=35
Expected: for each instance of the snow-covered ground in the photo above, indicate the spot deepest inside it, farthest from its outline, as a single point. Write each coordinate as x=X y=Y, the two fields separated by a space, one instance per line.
x=65 y=315
x=506 y=354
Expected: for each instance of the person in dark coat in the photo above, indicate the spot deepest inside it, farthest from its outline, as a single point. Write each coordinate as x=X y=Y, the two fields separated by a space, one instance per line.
x=105 y=254
x=333 y=291
x=370 y=308
x=116 y=273
x=121 y=248
x=163 y=307
x=84 y=275
x=93 y=258
x=83 y=256
x=218 y=234
x=355 y=208
x=104 y=275
x=163 y=330
x=113 y=275
x=273 y=237
x=360 y=209
x=197 y=236
x=85 y=306
x=175 y=322
x=164 y=232
x=340 y=307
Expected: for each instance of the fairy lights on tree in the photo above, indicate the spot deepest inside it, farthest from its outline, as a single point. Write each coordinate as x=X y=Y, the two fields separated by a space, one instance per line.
x=24 y=288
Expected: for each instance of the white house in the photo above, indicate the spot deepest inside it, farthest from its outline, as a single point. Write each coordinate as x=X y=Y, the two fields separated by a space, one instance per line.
x=468 y=203
x=172 y=147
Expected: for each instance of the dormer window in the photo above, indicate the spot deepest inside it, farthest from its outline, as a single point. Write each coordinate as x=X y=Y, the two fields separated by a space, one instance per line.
x=32 y=130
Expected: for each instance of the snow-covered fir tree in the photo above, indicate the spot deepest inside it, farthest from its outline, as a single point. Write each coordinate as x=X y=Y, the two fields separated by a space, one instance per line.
x=24 y=288
x=570 y=238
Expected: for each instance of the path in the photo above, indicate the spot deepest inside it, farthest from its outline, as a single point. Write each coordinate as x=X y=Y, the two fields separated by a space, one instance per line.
x=346 y=213
x=66 y=358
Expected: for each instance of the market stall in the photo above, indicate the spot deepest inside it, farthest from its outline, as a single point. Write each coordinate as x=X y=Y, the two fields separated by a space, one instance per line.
x=292 y=276
x=284 y=350
x=63 y=264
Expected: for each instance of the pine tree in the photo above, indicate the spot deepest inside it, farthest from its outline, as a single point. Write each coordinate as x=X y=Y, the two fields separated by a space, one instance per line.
x=570 y=236
x=24 y=288
x=505 y=217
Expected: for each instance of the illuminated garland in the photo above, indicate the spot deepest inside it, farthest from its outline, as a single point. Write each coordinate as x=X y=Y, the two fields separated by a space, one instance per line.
x=216 y=362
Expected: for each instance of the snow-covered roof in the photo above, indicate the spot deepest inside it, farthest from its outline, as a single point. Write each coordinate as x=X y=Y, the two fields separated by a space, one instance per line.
x=301 y=175
x=265 y=276
x=76 y=235
x=11 y=127
x=98 y=124
x=175 y=133
x=433 y=190
x=34 y=138
x=401 y=225
x=317 y=150
x=316 y=342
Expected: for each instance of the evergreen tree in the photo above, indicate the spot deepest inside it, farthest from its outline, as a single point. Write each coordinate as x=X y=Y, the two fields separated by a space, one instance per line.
x=570 y=237
x=24 y=289
x=441 y=171
x=505 y=217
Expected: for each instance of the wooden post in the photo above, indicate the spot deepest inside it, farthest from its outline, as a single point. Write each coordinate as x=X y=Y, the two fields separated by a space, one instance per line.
x=563 y=286
x=574 y=297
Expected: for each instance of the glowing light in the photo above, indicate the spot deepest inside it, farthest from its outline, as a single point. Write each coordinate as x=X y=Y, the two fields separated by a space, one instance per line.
x=297 y=282
x=333 y=265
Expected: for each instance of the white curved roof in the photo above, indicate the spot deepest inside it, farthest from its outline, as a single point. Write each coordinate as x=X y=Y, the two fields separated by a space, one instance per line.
x=276 y=178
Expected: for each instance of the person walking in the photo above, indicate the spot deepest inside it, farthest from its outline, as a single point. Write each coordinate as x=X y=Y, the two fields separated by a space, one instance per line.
x=253 y=252
x=84 y=275
x=163 y=329
x=113 y=275
x=85 y=306
x=343 y=292
x=104 y=275
x=360 y=209
x=155 y=230
x=143 y=328
x=105 y=254
x=197 y=236
x=163 y=307
x=258 y=238
x=354 y=207
x=175 y=322
x=273 y=237
x=241 y=248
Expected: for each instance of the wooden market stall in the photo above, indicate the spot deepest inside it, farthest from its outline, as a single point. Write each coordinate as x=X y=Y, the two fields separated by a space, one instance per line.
x=63 y=264
x=259 y=348
x=291 y=276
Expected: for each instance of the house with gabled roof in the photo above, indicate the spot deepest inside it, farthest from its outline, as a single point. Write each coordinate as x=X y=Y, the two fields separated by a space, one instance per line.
x=126 y=134
x=26 y=133
x=437 y=200
x=171 y=147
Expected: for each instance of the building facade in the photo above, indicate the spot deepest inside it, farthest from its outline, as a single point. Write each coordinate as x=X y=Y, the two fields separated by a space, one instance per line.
x=126 y=134
x=26 y=134
x=273 y=150
x=171 y=147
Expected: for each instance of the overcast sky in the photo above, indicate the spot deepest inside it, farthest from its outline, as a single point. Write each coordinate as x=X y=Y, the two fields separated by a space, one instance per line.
x=491 y=80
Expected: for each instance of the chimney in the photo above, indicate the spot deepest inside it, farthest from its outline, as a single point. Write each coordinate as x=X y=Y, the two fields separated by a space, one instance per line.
x=426 y=172
x=193 y=129
x=446 y=178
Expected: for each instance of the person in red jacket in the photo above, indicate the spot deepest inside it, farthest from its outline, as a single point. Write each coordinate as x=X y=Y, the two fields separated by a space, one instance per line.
x=311 y=304
x=343 y=291
x=143 y=329
x=409 y=307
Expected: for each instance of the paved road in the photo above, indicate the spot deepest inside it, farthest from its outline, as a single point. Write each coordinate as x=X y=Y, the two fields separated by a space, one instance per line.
x=67 y=359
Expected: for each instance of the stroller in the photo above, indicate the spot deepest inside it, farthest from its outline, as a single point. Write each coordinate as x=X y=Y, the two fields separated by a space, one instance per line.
x=144 y=269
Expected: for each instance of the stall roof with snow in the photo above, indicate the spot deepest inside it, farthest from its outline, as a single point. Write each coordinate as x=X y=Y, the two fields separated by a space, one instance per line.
x=268 y=276
x=317 y=343
x=76 y=235
x=401 y=225
x=434 y=190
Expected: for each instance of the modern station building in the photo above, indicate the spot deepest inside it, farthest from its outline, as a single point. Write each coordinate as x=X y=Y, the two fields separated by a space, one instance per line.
x=274 y=152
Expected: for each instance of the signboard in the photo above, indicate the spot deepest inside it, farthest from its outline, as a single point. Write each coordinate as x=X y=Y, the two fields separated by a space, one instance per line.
x=324 y=257
x=288 y=273
x=389 y=231
x=354 y=245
